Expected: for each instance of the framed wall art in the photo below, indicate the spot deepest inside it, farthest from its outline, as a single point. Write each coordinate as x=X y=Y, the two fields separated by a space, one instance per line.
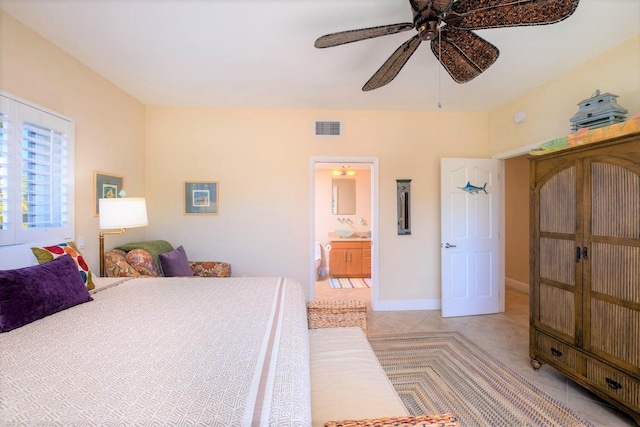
x=201 y=198
x=105 y=186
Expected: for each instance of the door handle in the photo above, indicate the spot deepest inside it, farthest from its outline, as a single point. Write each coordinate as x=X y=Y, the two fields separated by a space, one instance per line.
x=584 y=251
x=447 y=246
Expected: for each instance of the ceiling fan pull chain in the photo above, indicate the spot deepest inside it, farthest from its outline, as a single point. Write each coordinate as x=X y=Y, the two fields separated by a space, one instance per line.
x=439 y=69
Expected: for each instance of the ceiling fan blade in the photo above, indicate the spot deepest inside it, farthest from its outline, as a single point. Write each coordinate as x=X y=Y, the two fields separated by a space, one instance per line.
x=393 y=64
x=343 y=37
x=463 y=54
x=438 y=6
x=480 y=14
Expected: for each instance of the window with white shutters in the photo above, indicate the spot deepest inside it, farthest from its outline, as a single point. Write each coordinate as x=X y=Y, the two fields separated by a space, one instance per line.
x=36 y=173
x=4 y=170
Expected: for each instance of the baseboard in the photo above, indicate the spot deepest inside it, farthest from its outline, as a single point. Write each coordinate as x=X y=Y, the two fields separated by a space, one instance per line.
x=406 y=305
x=435 y=304
x=519 y=286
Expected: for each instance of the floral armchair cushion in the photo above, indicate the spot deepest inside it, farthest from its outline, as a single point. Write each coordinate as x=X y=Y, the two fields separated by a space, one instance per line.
x=116 y=264
x=210 y=268
x=141 y=263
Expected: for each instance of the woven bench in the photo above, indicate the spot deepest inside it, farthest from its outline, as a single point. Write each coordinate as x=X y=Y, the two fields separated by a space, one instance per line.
x=337 y=314
x=347 y=381
x=440 y=420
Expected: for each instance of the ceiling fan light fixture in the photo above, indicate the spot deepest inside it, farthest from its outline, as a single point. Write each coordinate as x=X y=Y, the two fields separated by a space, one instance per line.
x=429 y=30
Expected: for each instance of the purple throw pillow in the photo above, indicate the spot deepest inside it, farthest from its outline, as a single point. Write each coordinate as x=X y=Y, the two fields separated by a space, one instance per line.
x=175 y=263
x=31 y=293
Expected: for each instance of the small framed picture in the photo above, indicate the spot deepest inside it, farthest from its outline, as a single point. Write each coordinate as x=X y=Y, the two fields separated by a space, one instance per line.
x=105 y=186
x=201 y=198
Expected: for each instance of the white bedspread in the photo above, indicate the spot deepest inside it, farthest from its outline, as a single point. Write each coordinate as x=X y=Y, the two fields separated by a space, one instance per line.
x=167 y=351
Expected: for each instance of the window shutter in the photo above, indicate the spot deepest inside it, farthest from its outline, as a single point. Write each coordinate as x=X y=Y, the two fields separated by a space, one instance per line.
x=36 y=173
x=4 y=170
x=44 y=196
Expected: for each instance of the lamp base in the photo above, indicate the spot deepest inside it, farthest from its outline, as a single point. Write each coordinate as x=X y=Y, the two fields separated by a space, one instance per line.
x=101 y=238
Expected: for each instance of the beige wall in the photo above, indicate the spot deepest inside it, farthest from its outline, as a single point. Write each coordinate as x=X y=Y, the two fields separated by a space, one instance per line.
x=550 y=106
x=109 y=124
x=261 y=160
x=516 y=196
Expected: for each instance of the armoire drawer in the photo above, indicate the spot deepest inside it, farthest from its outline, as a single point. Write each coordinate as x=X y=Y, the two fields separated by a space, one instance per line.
x=559 y=352
x=614 y=382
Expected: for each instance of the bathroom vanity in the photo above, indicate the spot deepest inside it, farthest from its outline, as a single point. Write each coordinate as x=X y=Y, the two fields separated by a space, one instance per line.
x=350 y=256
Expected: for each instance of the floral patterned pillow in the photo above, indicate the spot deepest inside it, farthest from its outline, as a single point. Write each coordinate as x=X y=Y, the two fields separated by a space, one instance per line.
x=49 y=253
x=143 y=262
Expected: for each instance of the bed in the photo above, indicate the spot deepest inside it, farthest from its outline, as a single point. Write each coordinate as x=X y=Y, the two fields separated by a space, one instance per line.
x=164 y=351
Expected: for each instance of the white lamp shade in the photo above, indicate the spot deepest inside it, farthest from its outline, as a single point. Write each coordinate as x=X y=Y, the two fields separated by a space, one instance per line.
x=128 y=212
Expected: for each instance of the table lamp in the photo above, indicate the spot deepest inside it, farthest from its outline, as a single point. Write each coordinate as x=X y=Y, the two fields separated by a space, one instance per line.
x=118 y=214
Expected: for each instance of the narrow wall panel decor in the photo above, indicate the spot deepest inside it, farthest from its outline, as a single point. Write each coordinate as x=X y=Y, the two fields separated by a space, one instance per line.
x=404 y=206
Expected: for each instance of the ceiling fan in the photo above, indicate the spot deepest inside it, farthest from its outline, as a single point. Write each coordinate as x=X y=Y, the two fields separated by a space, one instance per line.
x=447 y=24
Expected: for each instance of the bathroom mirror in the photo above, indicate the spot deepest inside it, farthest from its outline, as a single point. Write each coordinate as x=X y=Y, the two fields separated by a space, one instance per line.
x=343 y=196
x=404 y=206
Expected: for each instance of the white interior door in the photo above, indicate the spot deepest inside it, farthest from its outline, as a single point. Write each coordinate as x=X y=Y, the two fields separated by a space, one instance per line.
x=470 y=193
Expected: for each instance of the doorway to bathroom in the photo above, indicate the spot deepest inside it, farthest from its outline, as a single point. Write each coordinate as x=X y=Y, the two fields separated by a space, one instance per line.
x=343 y=226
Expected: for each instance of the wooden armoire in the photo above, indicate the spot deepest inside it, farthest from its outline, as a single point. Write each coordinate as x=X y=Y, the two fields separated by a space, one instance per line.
x=585 y=267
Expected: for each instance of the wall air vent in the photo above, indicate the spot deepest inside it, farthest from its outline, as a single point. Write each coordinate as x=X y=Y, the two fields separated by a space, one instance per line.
x=328 y=128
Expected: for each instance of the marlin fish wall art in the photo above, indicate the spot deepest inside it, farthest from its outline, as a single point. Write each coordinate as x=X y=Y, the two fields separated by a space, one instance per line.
x=472 y=189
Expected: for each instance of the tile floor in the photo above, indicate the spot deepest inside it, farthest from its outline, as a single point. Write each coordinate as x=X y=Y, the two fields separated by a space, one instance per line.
x=504 y=335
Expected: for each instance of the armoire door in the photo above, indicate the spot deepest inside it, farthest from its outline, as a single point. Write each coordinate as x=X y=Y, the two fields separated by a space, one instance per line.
x=556 y=267
x=611 y=256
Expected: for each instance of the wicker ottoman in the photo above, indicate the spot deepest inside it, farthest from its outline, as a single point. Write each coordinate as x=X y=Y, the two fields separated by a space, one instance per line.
x=335 y=314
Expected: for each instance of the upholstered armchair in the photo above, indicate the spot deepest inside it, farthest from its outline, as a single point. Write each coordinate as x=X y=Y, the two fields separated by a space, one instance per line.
x=157 y=258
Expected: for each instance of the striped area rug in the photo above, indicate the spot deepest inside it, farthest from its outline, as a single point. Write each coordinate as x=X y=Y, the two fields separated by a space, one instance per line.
x=443 y=372
x=348 y=283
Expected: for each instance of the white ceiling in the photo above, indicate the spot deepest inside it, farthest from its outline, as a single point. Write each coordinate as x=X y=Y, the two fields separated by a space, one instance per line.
x=260 y=54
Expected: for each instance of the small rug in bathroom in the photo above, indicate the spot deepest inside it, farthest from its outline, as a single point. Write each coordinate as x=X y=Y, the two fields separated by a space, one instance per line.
x=345 y=283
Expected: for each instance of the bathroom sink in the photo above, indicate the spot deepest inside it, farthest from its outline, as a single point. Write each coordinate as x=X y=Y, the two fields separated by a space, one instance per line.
x=345 y=233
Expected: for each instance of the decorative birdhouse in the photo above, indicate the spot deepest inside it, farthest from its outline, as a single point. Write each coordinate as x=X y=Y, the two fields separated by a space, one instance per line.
x=597 y=111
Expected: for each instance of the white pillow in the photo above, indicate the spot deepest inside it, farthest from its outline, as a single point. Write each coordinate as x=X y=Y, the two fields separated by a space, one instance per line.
x=20 y=256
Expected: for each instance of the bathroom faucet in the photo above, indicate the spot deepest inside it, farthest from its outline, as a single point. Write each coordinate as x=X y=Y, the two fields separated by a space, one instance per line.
x=346 y=221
